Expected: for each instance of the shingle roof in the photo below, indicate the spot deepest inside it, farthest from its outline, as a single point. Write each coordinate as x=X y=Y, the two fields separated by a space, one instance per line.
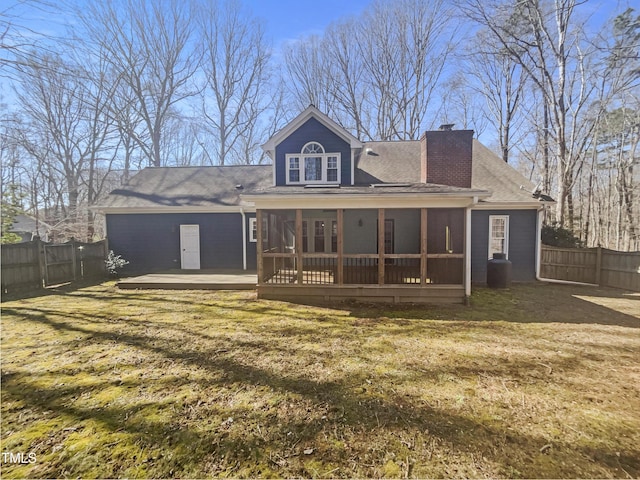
x=397 y=162
x=490 y=172
x=388 y=162
x=378 y=162
x=189 y=186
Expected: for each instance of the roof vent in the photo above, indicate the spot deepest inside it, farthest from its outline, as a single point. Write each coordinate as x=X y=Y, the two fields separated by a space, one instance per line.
x=369 y=151
x=446 y=127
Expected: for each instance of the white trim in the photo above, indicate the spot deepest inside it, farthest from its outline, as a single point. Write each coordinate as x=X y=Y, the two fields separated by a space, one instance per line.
x=353 y=166
x=337 y=200
x=302 y=150
x=506 y=234
x=301 y=157
x=253 y=225
x=467 y=252
x=248 y=208
x=488 y=205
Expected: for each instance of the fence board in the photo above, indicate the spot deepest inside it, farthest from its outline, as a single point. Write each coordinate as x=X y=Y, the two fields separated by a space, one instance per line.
x=621 y=269
x=21 y=267
x=32 y=265
x=592 y=265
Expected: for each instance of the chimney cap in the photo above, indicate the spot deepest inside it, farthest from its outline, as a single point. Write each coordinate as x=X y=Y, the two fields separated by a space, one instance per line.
x=446 y=126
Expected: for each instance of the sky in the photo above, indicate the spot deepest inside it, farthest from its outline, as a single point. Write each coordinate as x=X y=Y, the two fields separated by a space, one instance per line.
x=290 y=19
x=284 y=20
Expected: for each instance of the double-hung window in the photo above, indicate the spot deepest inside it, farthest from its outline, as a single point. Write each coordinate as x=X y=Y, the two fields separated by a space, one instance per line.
x=293 y=169
x=498 y=234
x=313 y=166
x=253 y=230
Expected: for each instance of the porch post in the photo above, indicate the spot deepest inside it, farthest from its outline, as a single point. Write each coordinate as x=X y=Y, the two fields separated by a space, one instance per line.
x=423 y=246
x=381 y=246
x=467 y=251
x=299 y=259
x=340 y=232
x=259 y=246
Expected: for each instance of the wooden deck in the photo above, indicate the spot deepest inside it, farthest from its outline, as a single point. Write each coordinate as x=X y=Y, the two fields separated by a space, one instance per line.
x=193 y=280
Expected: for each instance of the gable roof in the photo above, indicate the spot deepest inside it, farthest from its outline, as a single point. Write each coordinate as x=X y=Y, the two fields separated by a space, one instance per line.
x=491 y=173
x=310 y=112
x=188 y=187
x=395 y=162
x=399 y=162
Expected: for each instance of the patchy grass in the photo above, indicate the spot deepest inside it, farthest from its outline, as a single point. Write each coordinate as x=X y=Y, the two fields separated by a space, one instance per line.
x=536 y=381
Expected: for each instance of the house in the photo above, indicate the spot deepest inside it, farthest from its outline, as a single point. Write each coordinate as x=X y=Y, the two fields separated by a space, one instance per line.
x=28 y=228
x=333 y=217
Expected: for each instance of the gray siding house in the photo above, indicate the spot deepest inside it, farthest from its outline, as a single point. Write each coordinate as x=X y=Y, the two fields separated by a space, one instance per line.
x=335 y=218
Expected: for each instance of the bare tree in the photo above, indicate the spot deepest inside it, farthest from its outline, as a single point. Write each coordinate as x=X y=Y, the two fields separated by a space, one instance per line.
x=65 y=130
x=545 y=39
x=378 y=76
x=235 y=68
x=148 y=45
x=500 y=81
x=405 y=46
x=308 y=66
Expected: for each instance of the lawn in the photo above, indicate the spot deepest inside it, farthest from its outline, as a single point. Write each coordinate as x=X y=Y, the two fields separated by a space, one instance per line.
x=534 y=381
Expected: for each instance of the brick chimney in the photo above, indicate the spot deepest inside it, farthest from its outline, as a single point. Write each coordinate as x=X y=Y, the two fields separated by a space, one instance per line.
x=446 y=157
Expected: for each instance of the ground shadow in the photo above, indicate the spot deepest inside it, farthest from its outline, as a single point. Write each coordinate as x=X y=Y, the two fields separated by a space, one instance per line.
x=348 y=406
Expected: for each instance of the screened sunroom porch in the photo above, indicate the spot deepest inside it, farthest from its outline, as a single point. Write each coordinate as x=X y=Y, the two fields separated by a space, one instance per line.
x=374 y=254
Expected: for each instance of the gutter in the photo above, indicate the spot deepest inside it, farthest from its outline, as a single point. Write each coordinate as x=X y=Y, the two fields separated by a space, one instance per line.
x=244 y=239
x=539 y=259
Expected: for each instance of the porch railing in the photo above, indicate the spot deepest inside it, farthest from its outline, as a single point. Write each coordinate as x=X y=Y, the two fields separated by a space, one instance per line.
x=360 y=269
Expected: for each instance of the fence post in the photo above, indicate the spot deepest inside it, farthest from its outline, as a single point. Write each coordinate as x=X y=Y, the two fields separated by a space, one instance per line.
x=41 y=261
x=598 y=264
x=74 y=264
x=105 y=255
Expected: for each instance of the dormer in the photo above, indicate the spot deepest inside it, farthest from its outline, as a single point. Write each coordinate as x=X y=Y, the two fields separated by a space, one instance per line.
x=312 y=149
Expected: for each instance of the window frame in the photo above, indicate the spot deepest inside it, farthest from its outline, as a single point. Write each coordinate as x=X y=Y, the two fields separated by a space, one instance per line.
x=324 y=165
x=253 y=230
x=505 y=249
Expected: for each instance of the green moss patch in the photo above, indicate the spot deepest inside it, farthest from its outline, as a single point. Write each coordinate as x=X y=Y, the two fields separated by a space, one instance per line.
x=533 y=381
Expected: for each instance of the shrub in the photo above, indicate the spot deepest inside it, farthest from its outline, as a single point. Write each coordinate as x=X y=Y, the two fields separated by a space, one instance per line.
x=558 y=236
x=114 y=262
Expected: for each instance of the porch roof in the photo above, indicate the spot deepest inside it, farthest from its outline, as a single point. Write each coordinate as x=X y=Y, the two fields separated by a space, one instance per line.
x=373 y=189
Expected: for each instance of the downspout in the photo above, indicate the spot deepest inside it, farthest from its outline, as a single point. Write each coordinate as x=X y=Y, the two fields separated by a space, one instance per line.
x=244 y=239
x=539 y=258
x=353 y=166
x=467 y=247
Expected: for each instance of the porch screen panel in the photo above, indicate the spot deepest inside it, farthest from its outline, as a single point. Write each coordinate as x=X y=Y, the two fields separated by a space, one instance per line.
x=445 y=245
x=319 y=236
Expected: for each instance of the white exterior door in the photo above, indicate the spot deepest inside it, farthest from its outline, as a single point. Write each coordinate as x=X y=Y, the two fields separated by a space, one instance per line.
x=190 y=247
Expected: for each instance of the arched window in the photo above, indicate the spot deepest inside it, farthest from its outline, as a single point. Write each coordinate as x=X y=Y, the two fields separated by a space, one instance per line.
x=312 y=147
x=312 y=166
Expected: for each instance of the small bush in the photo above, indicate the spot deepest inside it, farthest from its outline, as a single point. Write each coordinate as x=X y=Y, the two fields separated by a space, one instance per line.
x=114 y=262
x=556 y=236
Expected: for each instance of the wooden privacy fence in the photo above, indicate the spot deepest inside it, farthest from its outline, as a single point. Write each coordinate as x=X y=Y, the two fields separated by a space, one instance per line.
x=599 y=266
x=34 y=265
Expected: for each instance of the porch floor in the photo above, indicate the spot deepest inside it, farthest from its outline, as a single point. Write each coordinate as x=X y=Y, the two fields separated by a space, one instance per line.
x=193 y=280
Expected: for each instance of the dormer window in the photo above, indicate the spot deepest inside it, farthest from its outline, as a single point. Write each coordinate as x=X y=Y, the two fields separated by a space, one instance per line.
x=313 y=165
